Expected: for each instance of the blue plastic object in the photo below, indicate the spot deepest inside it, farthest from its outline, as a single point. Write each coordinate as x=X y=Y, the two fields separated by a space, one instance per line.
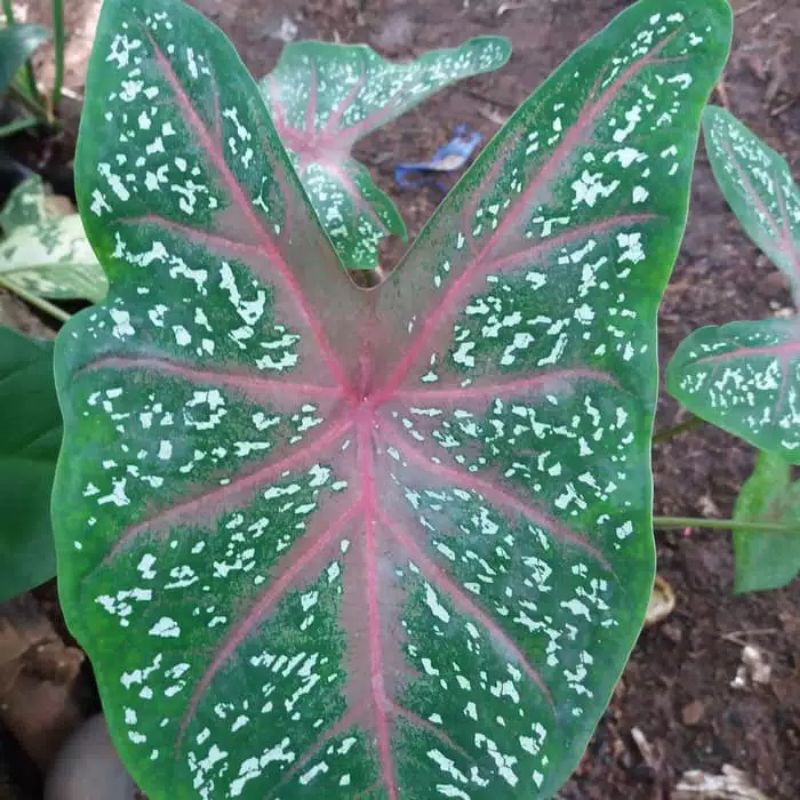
x=449 y=158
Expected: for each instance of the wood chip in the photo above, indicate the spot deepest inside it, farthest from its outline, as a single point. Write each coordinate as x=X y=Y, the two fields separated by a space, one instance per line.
x=645 y=748
x=693 y=713
x=662 y=602
x=38 y=677
x=732 y=784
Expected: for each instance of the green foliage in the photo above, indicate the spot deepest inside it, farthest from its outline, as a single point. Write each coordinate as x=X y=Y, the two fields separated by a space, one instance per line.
x=17 y=44
x=44 y=252
x=323 y=98
x=745 y=376
x=30 y=436
x=770 y=559
x=325 y=542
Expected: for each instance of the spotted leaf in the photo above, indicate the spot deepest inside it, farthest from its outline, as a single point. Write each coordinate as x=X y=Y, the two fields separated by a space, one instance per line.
x=745 y=376
x=768 y=559
x=394 y=544
x=44 y=251
x=325 y=97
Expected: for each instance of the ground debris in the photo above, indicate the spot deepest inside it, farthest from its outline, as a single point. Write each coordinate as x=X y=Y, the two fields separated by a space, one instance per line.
x=732 y=784
x=38 y=677
x=662 y=602
x=753 y=667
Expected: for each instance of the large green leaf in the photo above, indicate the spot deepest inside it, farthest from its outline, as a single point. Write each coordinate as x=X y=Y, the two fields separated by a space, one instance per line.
x=393 y=544
x=745 y=376
x=17 y=44
x=30 y=435
x=769 y=559
x=325 y=97
x=45 y=252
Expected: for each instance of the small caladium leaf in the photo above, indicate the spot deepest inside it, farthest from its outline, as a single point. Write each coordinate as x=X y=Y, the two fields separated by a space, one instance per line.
x=770 y=559
x=325 y=97
x=44 y=251
x=745 y=376
x=395 y=544
x=30 y=436
x=17 y=44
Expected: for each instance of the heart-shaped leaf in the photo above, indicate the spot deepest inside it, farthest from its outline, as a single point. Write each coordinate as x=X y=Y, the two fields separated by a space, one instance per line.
x=768 y=559
x=325 y=97
x=17 y=44
x=30 y=436
x=745 y=376
x=45 y=251
x=387 y=544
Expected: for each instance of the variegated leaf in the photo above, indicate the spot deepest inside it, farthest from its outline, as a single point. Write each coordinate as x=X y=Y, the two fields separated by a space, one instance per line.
x=767 y=559
x=45 y=252
x=388 y=544
x=745 y=376
x=325 y=97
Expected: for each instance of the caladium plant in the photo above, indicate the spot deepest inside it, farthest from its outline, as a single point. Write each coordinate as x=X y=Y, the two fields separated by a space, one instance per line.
x=44 y=251
x=744 y=376
x=324 y=97
x=394 y=543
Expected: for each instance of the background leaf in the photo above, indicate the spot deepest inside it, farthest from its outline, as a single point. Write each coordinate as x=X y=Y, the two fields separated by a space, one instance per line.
x=325 y=97
x=17 y=44
x=767 y=560
x=387 y=544
x=744 y=376
x=45 y=251
x=30 y=436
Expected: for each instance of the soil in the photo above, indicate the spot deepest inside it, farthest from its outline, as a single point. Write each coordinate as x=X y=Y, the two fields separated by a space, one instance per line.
x=675 y=698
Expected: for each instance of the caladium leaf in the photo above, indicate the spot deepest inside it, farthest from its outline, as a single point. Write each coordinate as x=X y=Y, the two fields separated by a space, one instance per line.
x=387 y=544
x=745 y=376
x=770 y=559
x=325 y=97
x=17 y=44
x=44 y=251
x=30 y=435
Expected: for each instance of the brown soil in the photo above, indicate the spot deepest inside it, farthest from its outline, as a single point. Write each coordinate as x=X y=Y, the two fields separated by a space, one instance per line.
x=677 y=688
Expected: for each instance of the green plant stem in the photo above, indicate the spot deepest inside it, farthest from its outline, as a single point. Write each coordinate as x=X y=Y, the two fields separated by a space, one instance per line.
x=31 y=104
x=17 y=125
x=38 y=302
x=58 y=43
x=666 y=523
x=30 y=77
x=670 y=433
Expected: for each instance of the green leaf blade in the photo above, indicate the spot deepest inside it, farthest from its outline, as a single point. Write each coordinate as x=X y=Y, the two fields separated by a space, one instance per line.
x=767 y=560
x=29 y=444
x=325 y=97
x=339 y=581
x=744 y=376
x=17 y=43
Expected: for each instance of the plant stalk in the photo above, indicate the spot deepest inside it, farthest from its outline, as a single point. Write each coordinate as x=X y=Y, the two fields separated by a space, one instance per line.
x=670 y=433
x=666 y=523
x=17 y=125
x=37 y=302
x=30 y=76
x=58 y=43
x=31 y=104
